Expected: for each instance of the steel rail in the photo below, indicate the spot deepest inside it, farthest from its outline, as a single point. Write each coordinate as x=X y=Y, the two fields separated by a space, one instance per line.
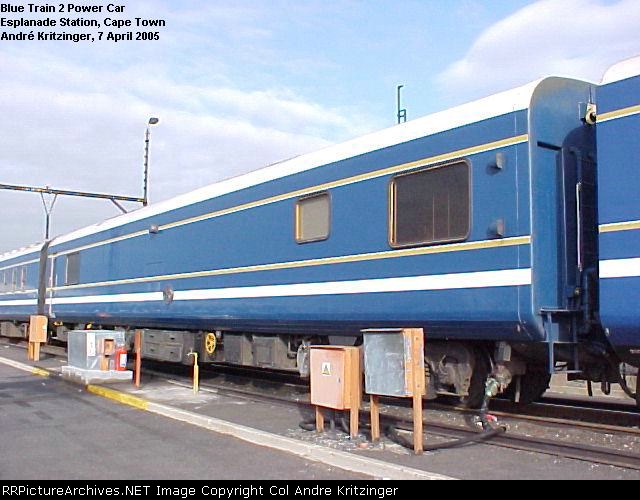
x=510 y=440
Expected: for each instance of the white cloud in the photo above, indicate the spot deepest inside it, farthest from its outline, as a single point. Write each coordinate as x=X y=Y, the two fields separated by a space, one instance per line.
x=578 y=38
x=74 y=125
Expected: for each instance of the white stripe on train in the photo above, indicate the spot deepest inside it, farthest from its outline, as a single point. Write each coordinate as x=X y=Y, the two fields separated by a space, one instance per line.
x=483 y=279
x=621 y=268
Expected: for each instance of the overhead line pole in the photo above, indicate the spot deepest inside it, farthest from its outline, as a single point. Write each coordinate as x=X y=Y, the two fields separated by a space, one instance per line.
x=48 y=209
x=60 y=192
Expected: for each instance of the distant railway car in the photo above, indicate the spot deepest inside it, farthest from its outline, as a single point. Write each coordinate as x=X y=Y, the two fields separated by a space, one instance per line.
x=619 y=207
x=478 y=224
x=19 y=283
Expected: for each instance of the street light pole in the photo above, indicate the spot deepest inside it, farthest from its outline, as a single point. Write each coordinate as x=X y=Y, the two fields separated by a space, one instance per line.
x=152 y=121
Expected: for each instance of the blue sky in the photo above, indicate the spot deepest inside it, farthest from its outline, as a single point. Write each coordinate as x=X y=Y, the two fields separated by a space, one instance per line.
x=238 y=85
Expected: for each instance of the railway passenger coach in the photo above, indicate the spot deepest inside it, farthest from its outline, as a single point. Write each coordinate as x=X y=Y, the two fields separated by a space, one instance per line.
x=478 y=224
x=619 y=181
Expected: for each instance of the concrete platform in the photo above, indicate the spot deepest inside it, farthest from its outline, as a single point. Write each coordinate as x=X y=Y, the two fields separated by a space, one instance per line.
x=234 y=416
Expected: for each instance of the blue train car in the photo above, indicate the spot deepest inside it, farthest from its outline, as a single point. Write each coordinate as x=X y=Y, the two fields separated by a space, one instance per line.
x=619 y=185
x=478 y=224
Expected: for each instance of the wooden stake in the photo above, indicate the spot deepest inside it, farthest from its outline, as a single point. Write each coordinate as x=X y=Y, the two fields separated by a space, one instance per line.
x=375 y=418
x=417 y=356
x=354 y=415
x=137 y=349
x=418 y=445
x=319 y=420
x=33 y=352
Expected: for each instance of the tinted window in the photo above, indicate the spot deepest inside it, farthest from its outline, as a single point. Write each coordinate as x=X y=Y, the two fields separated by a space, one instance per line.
x=431 y=206
x=313 y=218
x=73 y=269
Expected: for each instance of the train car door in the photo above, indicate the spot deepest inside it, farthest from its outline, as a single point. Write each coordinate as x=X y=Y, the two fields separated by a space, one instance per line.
x=580 y=231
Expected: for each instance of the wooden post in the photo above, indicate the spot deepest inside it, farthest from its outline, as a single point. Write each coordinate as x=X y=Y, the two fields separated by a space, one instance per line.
x=353 y=375
x=418 y=445
x=319 y=420
x=375 y=418
x=354 y=415
x=137 y=349
x=418 y=387
x=34 y=351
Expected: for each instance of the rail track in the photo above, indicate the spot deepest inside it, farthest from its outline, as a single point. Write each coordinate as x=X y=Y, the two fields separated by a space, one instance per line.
x=296 y=394
x=565 y=413
x=561 y=412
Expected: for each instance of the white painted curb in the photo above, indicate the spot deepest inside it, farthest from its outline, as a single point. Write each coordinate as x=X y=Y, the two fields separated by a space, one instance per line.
x=24 y=367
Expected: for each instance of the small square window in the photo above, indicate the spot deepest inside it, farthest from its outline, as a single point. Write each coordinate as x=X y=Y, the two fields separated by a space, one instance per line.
x=313 y=218
x=73 y=269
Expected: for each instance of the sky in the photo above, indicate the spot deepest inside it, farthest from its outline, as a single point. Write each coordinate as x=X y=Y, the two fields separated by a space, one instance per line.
x=238 y=85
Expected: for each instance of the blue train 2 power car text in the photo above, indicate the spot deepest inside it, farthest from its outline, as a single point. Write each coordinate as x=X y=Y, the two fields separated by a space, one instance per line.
x=508 y=228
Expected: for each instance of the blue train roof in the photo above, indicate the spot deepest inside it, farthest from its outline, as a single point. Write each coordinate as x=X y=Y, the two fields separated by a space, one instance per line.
x=21 y=252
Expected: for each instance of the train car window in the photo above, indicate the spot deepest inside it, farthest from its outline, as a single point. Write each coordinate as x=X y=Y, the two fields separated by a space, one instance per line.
x=23 y=277
x=4 y=281
x=14 y=279
x=73 y=269
x=313 y=218
x=431 y=206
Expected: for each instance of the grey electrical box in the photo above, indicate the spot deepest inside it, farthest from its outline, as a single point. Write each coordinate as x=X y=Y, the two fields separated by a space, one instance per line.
x=389 y=364
x=86 y=347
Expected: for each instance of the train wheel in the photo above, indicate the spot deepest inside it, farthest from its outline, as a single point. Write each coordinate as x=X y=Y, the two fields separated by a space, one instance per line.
x=478 y=382
x=533 y=385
